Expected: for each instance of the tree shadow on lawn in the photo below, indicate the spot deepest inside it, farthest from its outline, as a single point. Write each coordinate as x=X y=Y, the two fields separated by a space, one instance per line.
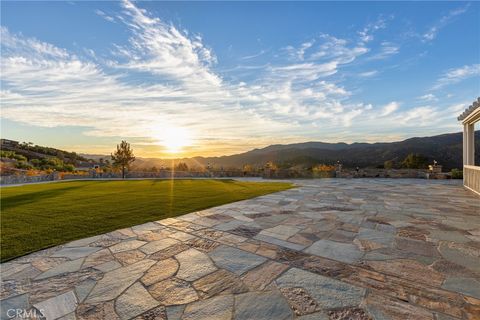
x=22 y=199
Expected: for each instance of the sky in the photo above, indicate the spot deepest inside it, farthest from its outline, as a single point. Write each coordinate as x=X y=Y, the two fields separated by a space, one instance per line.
x=213 y=78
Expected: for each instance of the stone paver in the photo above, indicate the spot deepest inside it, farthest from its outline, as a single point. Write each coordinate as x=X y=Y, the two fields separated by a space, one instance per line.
x=262 y=306
x=193 y=265
x=84 y=288
x=75 y=253
x=221 y=281
x=260 y=277
x=328 y=249
x=219 y=308
x=67 y=267
x=467 y=286
x=345 y=252
x=115 y=282
x=135 y=301
x=126 y=246
x=235 y=260
x=173 y=292
x=9 y=306
x=158 y=245
x=281 y=232
x=329 y=293
x=59 y=306
x=162 y=270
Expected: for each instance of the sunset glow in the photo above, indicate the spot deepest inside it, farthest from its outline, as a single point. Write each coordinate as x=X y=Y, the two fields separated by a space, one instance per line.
x=174 y=139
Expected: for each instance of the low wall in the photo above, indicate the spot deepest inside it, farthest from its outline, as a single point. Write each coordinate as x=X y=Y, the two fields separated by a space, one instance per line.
x=296 y=174
x=21 y=178
x=384 y=173
x=163 y=174
x=350 y=173
x=268 y=174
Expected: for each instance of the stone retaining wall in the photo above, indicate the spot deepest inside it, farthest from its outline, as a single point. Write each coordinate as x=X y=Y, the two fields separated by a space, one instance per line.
x=383 y=173
x=351 y=173
x=268 y=174
x=163 y=174
x=21 y=178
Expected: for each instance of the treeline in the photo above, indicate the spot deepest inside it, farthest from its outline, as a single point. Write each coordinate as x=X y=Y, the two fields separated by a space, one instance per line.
x=51 y=163
x=411 y=161
x=65 y=156
x=27 y=156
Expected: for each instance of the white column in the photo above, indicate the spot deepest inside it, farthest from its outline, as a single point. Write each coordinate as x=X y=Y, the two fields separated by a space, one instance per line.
x=465 y=144
x=470 y=144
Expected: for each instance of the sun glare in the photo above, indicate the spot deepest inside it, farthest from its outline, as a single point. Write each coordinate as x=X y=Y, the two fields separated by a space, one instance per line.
x=174 y=139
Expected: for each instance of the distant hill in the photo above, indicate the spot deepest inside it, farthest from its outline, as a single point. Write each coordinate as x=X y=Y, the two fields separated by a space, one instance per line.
x=29 y=156
x=446 y=149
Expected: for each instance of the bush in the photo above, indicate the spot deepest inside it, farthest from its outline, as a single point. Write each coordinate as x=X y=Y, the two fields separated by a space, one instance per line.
x=323 y=171
x=323 y=168
x=12 y=155
x=19 y=157
x=388 y=164
x=68 y=167
x=456 y=174
x=23 y=165
x=415 y=161
x=6 y=154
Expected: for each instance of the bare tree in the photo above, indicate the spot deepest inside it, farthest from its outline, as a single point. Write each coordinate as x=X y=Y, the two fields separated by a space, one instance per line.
x=123 y=156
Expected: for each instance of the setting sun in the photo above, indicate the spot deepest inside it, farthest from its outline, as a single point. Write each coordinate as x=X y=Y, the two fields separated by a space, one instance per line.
x=174 y=139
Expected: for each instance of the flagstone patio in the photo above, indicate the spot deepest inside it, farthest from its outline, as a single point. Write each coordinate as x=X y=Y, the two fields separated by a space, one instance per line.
x=329 y=249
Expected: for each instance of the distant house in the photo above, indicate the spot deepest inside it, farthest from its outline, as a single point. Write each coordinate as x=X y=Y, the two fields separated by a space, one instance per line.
x=5 y=143
x=471 y=172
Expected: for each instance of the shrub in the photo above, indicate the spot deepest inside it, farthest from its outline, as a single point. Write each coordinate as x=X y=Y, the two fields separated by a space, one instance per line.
x=6 y=154
x=68 y=167
x=388 y=164
x=12 y=155
x=415 y=161
x=323 y=171
x=456 y=174
x=24 y=165
x=19 y=157
x=323 y=168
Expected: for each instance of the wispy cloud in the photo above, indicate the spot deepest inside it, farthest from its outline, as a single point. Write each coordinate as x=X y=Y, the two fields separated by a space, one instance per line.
x=162 y=49
x=428 y=97
x=432 y=32
x=456 y=75
x=389 y=108
x=248 y=57
x=367 y=33
x=368 y=74
x=420 y=115
x=387 y=49
x=29 y=46
x=104 y=15
x=299 y=53
x=340 y=50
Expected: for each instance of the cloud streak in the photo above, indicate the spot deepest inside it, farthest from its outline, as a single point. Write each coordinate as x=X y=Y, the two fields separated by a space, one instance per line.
x=433 y=31
x=456 y=75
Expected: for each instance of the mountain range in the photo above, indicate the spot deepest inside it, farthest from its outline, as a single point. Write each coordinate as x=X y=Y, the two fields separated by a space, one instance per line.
x=446 y=149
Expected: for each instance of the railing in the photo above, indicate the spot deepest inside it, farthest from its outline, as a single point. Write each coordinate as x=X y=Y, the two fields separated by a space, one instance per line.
x=471 y=178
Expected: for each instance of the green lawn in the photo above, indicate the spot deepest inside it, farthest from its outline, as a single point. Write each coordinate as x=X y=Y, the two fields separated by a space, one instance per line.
x=38 y=216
